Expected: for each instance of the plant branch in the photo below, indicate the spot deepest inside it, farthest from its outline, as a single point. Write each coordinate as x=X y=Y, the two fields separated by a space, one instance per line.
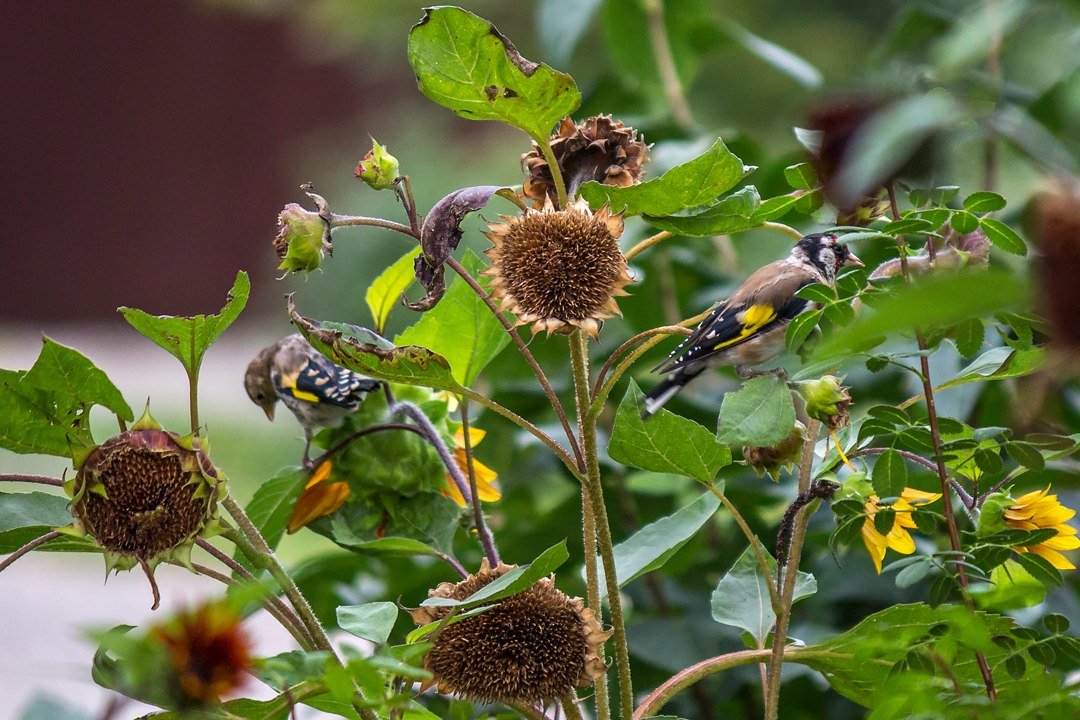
x=193 y=399
x=526 y=353
x=544 y=144
x=664 y=330
x=37 y=479
x=486 y=538
x=781 y=227
x=683 y=679
x=755 y=544
x=32 y=545
x=665 y=65
x=965 y=496
x=370 y=430
x=569 y=704
x=353 y=220
x=646 y=244
x=579 y=356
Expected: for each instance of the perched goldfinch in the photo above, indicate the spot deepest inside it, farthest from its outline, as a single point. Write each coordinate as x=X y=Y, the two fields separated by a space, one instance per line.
x=749 y=328
x=318 y=392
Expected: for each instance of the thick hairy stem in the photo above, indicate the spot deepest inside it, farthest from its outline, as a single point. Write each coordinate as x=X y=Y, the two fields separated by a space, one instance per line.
x=579 y=355
x=665 y=64
x=592 y=586
x=486 y=538
x=569 y=704
x=526 y=353
x=33 y=544
x=36 y=479
x=787 y=575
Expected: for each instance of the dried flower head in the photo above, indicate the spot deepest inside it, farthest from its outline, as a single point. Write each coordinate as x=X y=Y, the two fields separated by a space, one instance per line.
x=209 y=655
x=558 y=269
x=770 y=460
x=531 y=647
x=145 y=494
x=598 y=148
x=303 y=236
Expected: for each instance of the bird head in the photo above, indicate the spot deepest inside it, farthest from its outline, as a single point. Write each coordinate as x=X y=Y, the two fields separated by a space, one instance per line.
x=826 y=253
x=259 y=385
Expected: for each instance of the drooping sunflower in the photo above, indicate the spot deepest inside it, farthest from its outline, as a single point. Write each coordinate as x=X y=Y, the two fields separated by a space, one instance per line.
x=485 y=476
x=1037 y=511
x=558 y=269
x=898 y=538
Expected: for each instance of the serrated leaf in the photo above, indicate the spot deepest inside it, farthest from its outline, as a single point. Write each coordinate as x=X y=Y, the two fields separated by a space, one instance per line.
x=817 y=292
x=1025 y=454
x=776 y=207
x=734 y=213
x=29 y=422
x=907 y=226
x=464 y=63
x=800 y=176
x=371 y=621
x=963 y=222
x=74 y=380
x=697 y=182
x=762 y=413
x=1003 y=236
x=654 y=544
x=665 y=442
x=510 y=583
x=800 y=328
x=983 y=201
x=1040 y=569
x=741 y=598
x=460 y=328
x=187 y=338
x=386 y=290
x=890 y=474
x=273 y=502
x=969 y=336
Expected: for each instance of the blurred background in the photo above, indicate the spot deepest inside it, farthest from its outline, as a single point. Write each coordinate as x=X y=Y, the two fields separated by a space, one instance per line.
x=148 y=146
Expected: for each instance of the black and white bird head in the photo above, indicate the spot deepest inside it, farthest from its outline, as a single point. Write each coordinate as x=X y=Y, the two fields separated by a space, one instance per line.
x=825 y=253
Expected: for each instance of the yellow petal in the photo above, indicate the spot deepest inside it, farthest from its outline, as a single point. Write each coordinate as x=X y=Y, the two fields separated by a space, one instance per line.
x=475 y=436
x=318 y=500
x=919 y=497
x=450 y=490
x=874 y=542
x=1053 y=557
x=1062 y=542
x=1031 y=497
x=900 y=540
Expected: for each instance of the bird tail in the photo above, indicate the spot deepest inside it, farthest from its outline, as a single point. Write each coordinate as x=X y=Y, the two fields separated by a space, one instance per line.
x=668 y=388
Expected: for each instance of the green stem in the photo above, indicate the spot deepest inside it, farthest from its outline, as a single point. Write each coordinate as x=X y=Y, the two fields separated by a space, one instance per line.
x=592 y=585
x=556 y=172
x=579 y=356
x=570 y=706
x=665 y=65
x=683 y=679
x=763 y=565
x=193 y=399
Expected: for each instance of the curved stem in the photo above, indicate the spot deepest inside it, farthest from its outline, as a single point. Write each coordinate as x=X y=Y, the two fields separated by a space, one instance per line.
x=763 y=564
x=556 y=172
x=452 y=562
x=683 y=679
x=526 y=353
x=37 y=479
x=579 y=356
x=371 y=429
x=486 y=538
x=353 y=220
x=646 y=244
x=665 y=65
x=965 y=496
x=781 y=227
x=664 y=330
x=32 y=545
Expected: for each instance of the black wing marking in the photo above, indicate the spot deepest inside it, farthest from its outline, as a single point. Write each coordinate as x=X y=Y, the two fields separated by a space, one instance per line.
x=332 y=384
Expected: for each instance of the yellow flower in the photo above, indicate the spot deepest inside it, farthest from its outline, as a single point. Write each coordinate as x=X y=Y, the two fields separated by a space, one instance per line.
x=485 y=476
x=898 y=538
x=1039 y=511
x=319 y=498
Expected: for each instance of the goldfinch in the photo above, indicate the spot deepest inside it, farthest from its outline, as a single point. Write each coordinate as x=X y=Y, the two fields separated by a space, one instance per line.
x=318 y=392
x=749 y=327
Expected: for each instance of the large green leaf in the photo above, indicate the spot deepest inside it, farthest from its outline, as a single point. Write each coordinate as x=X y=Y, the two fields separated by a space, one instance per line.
x=33 y=509
x=890 y=474
x=697 y=182
x=762 y=413
x=29 y=422
x=385 y=291
x=187 y=338
x=365 y=352
x=732 y=214
x=741 y=599
x=666 y=442
x=653 y=545
x=511 y=582
x=460 y=328
x=273 y=502
x=464 y=63
x=74 y=380
x=999 y=363
x=371 y=621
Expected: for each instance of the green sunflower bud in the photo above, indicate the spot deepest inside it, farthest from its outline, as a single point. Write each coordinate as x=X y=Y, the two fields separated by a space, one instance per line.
x=303 y=236
x=992 y=514
x=379 y=169
x=826 y=400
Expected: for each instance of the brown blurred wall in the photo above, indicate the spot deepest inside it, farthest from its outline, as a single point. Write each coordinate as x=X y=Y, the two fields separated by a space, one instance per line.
x=145 y=151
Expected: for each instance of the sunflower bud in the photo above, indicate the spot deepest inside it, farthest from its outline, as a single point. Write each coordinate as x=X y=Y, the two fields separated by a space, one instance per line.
x=598 y=148
x=303 y=237
x=379 y=169
x=558 y=269
x=774 y=458
x=145 y=494
x=992 y=513
x=534 y=646
x=826 y=400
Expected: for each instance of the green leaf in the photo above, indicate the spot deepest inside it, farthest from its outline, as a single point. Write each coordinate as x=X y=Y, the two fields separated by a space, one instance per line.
x=27 y=516
x=1056 y=623
x=385 y=291
x=963 y=222
x=968 y=336
x=29 y=422
x=460 y=328
x=890 y=474
x=653 y=545
x=817 y=292
x=1040 y=569
x=372 y=621
x=762 y=413
x=694 y=183
x=464 y=63
x=800 y=328
x=983 y=201
x=907 y=226
x=666 y=442
x=780 y=58
x=741 y=598
x=187 y=338
x=512 y=582
x=1003 y=236
x=391 y=546
x=273 y=503
x=365 y=352
x=777 y=207
x=1025 y=454
x=74 y=380
x=998 y=364
x=800 y=176
x=734 y=213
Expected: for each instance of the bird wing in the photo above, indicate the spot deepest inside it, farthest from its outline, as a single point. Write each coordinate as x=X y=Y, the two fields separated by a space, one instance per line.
x=301 y=372
x=766 y=299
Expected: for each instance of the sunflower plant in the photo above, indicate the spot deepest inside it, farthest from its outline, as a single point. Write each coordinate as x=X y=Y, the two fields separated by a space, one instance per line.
x=673 y=562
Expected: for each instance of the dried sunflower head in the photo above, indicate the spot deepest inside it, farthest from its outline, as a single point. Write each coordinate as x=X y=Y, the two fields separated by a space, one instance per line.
x=599 y=148
x=531 y=647
x=558 y=269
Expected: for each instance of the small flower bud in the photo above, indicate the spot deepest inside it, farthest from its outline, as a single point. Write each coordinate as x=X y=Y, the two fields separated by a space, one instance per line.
x=785 y=454
x=826 y=400
x=379 y=169
x=992 y=514
x=303 y=236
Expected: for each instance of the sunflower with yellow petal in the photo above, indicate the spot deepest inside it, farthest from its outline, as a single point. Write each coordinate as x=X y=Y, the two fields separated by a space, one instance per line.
x=1039 y=511
x=319 y=498
x=898 y=538
x=485 y=476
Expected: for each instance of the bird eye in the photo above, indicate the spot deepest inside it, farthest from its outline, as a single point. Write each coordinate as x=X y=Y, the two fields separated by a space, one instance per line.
x=260 y=397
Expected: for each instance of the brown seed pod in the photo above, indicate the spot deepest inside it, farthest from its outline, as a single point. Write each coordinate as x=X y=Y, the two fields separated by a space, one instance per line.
x=558 y=269
x=534 y=646
x=598 y=148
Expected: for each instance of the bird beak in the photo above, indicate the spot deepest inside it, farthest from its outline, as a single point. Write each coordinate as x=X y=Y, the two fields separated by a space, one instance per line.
x=853 y=259
x=269 y=410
